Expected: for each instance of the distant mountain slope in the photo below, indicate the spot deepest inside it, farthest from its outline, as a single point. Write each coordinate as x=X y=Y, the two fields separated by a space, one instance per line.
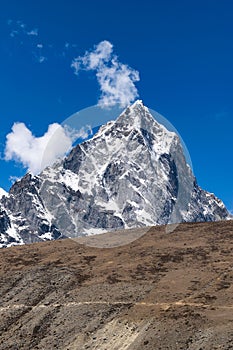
x=132 y=173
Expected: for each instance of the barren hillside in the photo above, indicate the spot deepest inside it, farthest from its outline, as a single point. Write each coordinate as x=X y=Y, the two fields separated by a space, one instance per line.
x=161 y=291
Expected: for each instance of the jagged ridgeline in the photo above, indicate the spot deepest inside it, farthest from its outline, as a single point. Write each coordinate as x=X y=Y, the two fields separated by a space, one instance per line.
x=131 y=173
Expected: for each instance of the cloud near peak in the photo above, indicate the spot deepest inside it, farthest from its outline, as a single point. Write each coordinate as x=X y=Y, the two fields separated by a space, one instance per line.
x=116 y=80
x=34 y=153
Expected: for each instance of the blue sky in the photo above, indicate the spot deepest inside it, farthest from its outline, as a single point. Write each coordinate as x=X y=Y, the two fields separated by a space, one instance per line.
x=183 y=51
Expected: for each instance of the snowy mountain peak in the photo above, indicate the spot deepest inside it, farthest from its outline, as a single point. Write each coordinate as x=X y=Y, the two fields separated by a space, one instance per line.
x=132 y=173
x=136 y=115
x=137 y=103
x=137 y=121
x=3 y=193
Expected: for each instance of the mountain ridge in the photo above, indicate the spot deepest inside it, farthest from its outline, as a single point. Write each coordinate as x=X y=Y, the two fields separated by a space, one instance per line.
x=131 y=173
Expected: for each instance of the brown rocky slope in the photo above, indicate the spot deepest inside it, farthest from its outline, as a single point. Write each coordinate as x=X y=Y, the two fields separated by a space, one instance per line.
x=161 y=291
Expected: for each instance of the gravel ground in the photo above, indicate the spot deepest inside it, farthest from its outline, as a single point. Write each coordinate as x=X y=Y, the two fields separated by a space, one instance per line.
x=160 y=291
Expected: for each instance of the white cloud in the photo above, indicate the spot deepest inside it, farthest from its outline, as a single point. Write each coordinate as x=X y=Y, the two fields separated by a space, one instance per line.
x=14 y=33
x=21 y=24
x=38 y=55
x=13 y=179
x=17 y=27
x=35 y=153
x=116 y=79
x=29 y=37
x=82 y=133
x=41 y=59
x=20 y=30
x=33 y=32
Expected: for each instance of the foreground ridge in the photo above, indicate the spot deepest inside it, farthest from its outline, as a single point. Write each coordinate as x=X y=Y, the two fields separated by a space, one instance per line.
x=162 y=291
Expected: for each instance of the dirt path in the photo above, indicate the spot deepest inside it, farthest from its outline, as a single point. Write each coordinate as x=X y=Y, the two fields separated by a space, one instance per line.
x=163 y=306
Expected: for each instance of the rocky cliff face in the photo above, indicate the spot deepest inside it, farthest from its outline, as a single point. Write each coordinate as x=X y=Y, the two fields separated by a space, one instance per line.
x=132 y=173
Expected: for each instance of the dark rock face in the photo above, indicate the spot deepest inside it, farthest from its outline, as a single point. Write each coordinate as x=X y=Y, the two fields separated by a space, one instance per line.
x=29 y=217
x=5 y=227
x=4 y=221
x=74 y=160
x=132 y=173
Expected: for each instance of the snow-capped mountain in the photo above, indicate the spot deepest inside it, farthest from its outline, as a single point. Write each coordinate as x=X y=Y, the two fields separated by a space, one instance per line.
x=2 y=192
x=132 y=173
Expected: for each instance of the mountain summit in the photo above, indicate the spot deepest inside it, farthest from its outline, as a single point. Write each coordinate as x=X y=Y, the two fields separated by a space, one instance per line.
x=132 y=173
